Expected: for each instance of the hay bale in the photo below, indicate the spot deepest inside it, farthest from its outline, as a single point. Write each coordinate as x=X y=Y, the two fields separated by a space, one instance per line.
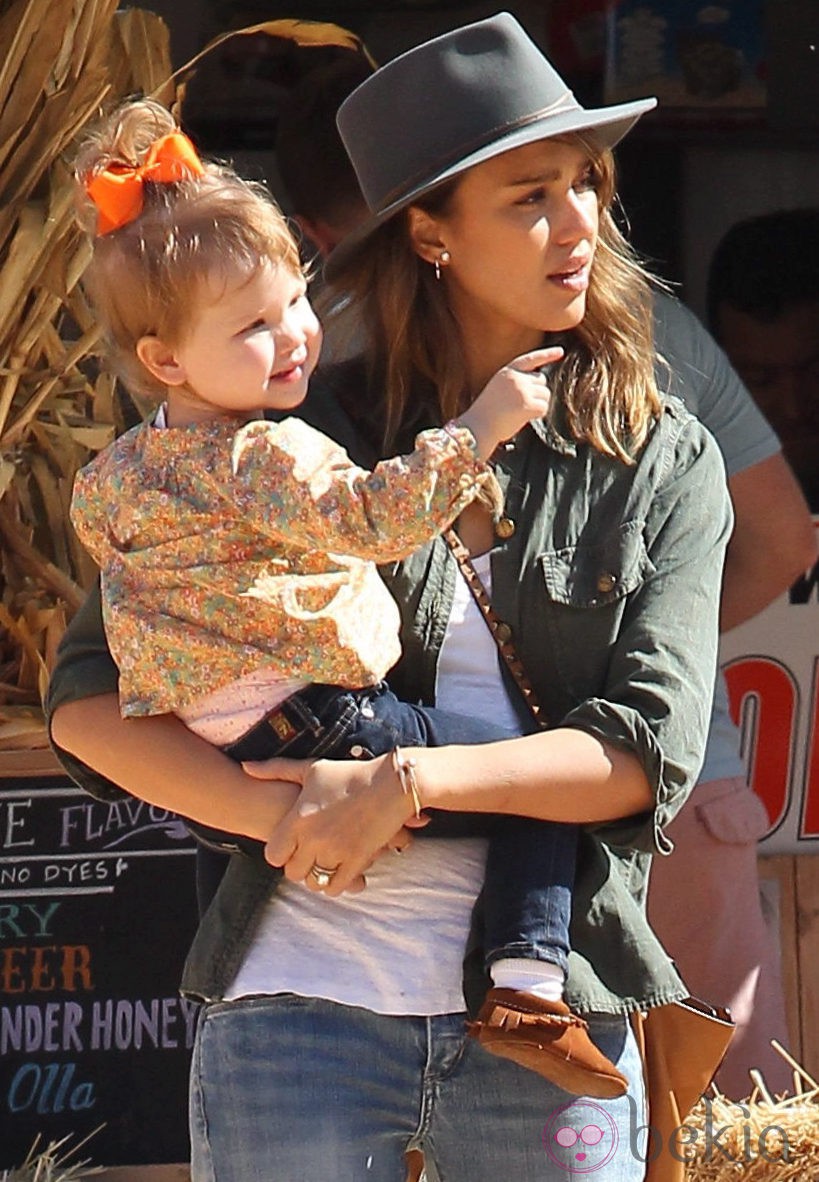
x=762 y=1139
x=52 y=1163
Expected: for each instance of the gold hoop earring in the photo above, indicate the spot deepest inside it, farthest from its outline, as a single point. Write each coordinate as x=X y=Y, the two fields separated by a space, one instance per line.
x=441 y=261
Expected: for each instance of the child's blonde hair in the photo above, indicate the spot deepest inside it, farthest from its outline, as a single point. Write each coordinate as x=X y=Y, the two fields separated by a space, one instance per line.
x=146 y=276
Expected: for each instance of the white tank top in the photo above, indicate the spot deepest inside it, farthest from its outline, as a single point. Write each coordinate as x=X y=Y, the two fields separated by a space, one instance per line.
x=396 y=948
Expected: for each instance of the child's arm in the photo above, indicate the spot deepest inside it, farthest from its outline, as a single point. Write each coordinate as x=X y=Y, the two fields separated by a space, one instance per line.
x=299 y=486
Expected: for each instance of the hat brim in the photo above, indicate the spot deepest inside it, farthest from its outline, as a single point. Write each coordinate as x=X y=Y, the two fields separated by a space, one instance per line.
x=606 y=126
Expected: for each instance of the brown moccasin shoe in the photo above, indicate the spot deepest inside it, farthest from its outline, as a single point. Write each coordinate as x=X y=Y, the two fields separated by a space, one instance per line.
x=548 y=1038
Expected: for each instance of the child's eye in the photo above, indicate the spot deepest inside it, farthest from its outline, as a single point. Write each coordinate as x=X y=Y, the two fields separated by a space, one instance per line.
x=256 y=326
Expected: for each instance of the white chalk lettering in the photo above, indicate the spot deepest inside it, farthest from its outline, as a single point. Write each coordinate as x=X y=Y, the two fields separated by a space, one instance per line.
x=159 y=1022
x=124 y=1025
x=14 y=876
x=14 y=820
x=31 y=1028
x=102 y=1025
x=90 y=821
x=162 y=1023
x=71 y=873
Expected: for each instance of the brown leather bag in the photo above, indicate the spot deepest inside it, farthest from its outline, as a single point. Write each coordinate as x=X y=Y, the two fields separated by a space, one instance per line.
x=682 y=1043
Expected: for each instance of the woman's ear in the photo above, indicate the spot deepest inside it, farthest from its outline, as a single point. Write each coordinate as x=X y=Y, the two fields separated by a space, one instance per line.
x=160 y=361
x=425 y=234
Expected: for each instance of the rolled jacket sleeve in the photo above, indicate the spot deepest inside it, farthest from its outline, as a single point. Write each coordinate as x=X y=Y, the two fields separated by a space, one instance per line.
x=662 y=664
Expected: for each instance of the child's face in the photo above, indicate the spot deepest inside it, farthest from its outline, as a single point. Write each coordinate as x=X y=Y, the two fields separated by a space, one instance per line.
x=252 y=346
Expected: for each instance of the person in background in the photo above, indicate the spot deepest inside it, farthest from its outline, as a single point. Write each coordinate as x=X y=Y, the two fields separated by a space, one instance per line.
x=721 y=943
x=319 y=180
x=490 y=192
x=720 y=940
x=763 y=308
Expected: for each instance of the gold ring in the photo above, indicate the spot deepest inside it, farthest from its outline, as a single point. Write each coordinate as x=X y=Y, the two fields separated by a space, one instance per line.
x=322 y=876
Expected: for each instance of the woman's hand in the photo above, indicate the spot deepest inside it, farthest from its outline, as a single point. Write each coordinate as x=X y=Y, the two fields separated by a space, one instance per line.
x=347 y=813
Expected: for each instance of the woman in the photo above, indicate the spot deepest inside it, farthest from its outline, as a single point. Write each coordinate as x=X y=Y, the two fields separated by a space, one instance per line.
x=490 y=191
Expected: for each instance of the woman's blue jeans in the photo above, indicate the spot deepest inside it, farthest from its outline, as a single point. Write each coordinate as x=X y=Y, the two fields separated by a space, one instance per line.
x=526 y=902
x=292 y=1089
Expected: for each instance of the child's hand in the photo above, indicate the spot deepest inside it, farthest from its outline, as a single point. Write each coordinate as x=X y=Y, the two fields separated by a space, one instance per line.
x=516 y=394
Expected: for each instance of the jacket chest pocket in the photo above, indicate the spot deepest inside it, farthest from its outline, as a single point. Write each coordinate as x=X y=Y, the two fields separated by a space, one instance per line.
x=588 y=587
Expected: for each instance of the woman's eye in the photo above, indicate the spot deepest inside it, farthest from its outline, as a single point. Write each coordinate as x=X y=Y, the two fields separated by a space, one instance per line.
x=534 y=197
x=587 y=181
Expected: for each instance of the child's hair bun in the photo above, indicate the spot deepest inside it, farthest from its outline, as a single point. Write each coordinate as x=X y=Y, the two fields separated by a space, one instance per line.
x=124 y=137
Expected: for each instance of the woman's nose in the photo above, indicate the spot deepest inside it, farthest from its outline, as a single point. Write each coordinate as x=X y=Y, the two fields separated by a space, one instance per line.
x=576 y=219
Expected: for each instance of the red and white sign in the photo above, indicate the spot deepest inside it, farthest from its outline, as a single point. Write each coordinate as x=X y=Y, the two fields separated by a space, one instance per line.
x=771 y=664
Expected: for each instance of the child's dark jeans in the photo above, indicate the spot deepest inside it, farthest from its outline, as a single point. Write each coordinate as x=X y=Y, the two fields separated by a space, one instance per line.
x=530 y=864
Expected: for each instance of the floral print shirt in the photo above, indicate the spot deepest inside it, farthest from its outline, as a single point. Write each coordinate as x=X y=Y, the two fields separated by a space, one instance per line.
x=224 y=550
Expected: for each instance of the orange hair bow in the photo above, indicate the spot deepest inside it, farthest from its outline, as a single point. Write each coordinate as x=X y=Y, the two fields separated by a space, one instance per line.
x=117 y=190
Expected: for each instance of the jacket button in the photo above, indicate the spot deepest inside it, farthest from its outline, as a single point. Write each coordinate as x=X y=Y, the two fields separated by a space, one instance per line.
x=503 y=632
x=606 y=581
x=504 y=528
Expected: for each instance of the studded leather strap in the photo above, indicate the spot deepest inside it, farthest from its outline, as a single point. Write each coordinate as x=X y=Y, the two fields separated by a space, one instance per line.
x=500 y=631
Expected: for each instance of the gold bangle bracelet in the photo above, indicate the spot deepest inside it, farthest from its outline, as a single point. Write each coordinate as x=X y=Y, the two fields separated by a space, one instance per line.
x=405 y=770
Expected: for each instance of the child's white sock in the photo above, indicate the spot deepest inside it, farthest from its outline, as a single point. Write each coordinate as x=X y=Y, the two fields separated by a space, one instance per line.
x=540 y=977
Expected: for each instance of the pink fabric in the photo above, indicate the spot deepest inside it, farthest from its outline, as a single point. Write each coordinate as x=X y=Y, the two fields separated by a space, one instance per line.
x=704 y=904
x=225 y=715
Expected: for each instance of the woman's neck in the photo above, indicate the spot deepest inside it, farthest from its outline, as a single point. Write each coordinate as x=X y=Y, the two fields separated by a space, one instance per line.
x=486 y=350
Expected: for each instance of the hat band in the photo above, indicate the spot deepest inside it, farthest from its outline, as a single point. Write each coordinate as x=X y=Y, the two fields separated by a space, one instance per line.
x=501 y=129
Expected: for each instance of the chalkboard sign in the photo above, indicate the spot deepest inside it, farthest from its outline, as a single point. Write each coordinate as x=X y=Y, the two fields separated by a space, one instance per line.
x=97 y=909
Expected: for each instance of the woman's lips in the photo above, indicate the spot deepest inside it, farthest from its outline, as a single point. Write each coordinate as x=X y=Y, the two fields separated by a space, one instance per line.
x=575 y=279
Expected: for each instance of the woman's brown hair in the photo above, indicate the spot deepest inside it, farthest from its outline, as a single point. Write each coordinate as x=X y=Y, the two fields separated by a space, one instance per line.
x=606 y=383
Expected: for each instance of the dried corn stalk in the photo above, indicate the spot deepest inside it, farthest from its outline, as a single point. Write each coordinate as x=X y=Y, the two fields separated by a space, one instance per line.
x=60 y=62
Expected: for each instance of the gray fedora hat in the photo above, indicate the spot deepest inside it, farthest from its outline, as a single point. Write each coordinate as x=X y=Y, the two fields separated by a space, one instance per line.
x=453 y=102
